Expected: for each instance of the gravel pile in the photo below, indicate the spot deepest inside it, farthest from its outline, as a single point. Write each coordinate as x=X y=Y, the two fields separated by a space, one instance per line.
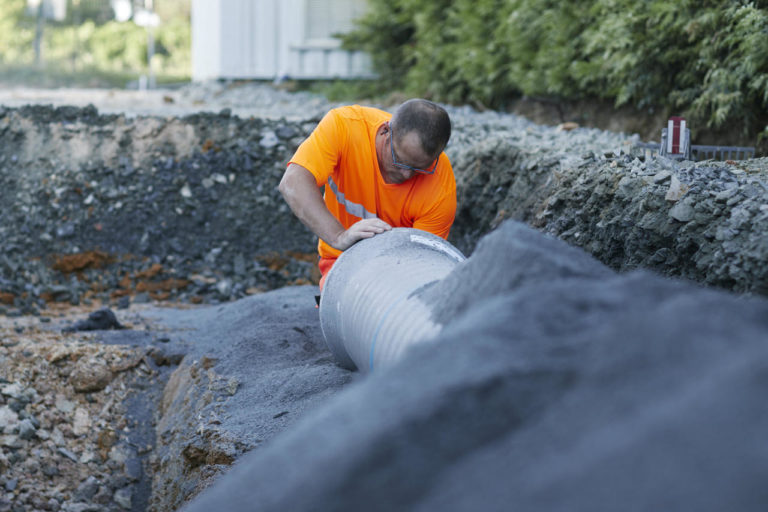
x=554 y=384
x=194 y=217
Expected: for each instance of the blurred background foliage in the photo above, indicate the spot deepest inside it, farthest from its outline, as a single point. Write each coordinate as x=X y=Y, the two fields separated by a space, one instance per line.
x=706 y=59
x=90 y=48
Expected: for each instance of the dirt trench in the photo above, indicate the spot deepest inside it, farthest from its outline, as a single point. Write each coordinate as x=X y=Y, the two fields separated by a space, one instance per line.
x=121 y=212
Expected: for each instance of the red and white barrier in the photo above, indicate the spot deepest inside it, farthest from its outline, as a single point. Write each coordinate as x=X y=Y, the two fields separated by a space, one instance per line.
x=675 y=135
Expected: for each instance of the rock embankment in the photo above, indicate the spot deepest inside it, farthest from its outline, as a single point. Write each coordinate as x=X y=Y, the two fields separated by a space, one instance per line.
x=121 y=209
x=704 y=221
x=106 y=207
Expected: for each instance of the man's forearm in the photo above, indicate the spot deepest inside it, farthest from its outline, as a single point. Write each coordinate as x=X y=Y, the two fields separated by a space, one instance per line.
x=303 y=196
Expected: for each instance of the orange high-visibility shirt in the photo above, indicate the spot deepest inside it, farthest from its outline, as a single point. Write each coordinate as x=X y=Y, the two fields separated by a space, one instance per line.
x=341 y=154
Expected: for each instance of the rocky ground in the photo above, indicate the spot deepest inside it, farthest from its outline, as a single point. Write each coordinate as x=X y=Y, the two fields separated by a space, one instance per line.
x=106 y=207
x=76 y=413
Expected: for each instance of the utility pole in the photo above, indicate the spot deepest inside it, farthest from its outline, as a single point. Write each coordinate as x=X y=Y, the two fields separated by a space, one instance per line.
x=76 y=20
x=39 y=34
x=149 y=20
x=149 y=5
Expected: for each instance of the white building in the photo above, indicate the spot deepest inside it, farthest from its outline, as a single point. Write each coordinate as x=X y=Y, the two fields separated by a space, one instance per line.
x=274 y=39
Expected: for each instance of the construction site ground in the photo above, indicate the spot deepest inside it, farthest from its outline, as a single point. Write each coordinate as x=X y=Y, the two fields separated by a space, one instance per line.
x=564 y=379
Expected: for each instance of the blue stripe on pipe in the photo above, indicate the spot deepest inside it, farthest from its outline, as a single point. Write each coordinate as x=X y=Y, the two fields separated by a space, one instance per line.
x=381 y=322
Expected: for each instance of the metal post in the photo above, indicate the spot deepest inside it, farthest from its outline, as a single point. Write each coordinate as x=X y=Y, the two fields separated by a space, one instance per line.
x=39 y=34
x=150 y=54
x=149 y=5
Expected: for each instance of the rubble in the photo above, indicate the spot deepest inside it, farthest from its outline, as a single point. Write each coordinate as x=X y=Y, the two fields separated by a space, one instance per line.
x=65 y=428
x=704 y=221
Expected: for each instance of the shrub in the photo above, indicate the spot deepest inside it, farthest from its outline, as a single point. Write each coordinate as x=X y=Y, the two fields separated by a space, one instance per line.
x=705 y=58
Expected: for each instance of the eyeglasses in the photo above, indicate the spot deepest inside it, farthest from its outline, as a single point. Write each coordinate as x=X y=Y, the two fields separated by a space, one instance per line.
x=402 y=165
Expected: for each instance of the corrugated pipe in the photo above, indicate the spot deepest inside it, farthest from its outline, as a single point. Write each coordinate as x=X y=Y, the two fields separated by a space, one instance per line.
x=371 y=307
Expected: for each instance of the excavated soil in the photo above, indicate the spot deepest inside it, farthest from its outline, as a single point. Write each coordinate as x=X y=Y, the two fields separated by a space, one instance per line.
x=113 y=207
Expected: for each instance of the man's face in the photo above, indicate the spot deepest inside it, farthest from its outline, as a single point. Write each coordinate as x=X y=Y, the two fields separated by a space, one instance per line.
x=406 y=150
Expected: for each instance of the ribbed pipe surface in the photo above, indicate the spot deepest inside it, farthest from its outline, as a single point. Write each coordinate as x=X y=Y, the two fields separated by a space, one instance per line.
x=371 y=308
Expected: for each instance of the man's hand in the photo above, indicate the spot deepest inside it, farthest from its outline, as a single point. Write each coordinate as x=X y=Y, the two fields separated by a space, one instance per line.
x=365 y=228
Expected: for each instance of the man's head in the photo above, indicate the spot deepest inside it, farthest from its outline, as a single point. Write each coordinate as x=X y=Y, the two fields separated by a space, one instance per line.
x=429 y=120
x=421 y=131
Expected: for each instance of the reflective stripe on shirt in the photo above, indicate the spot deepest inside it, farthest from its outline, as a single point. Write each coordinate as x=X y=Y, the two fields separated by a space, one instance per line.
x=352 y=208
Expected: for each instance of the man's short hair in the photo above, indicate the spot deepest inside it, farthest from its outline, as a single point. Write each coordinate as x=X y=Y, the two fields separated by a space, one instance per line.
x=426 y=118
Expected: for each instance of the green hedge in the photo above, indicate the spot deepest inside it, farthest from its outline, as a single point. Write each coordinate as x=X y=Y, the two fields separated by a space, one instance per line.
x=706 y=58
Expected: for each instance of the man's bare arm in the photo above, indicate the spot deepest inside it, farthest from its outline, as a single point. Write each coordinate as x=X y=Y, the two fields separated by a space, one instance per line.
x=300 y=191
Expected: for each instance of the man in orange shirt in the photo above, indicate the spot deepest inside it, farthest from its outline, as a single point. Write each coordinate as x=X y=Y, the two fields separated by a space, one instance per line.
x=380 y=171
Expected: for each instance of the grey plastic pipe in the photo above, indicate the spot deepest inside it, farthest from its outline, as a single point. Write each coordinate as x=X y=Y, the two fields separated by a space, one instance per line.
x=371 y=309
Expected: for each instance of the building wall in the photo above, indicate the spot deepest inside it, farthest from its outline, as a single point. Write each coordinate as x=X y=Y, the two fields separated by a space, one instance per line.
x=273 y=39
x=206 y=39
